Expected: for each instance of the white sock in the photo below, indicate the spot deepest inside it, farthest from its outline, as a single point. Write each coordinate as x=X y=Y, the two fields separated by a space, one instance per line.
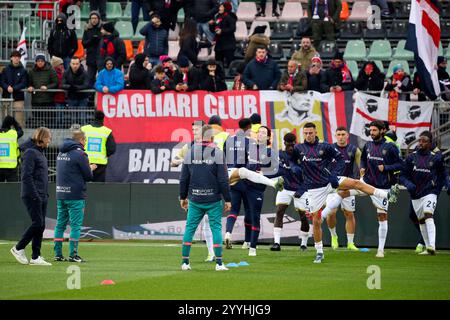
x=319 y=246
x=276 y=235
x=255 y=177
x=334 y=203
x=311 y=231
x=424 y=232
x=350 y=237
x=304 y=238
x=333 y=231
x=208 y=236
x=380 y=193
x=431 y=230
x=382 y=234
x=354 y=192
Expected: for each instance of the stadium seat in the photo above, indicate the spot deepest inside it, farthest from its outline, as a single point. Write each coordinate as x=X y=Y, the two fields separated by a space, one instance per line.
x=260 y=23
x=174 y=48
x=180 y=16
x=34 y=28
x=445 y=13
x=140 y=48
x=441 y=49
x=11 y=29
x=378 y=31
x=127 y=12
x=352 y=30
x=129 y=49
x=276 y=50
x=246 y=11
x=447 y=52
x=294 y=47
x=268 y=16
x=327 y=49
x=353 y=67
x=113 y=10
x=239 y=53
x=379 y=64
x=85 y=10
x=174 y=34
x=445 y=29
x=80 y=51
x=380 y=50
x=395 y=62
x=80 y=31
x=21 y=11
x=345 y=12
x=292 y=11
x=359 y=11
x=241 y=33
x=401 y=53
x=137 y=36
x=203 y=55
x=402 y=12
x=232 y=69
x=125 y=29
x=398 y=30
x=355 y=50
x=282 y=30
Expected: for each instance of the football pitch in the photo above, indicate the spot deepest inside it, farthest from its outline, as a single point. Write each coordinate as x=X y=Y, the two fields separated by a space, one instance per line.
x=151 y=270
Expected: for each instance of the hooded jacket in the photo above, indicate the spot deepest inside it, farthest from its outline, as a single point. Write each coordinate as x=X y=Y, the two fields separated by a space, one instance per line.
x=139 y=77
x=113 y=79
x=43 y=77
x=116 y=45
x=17 y=78
x=333 y=77
x=34 y=171
x=372 y=82
x=210 y=83
x=91 y=39
x=156 y=40
x=62 y=41
x=75 y=81
x=72 y=171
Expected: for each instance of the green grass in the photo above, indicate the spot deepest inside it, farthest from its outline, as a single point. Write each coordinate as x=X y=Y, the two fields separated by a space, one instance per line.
x=151 y=270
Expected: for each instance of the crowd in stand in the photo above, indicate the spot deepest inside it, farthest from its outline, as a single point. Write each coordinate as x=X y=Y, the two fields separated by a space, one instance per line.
x=208 y=24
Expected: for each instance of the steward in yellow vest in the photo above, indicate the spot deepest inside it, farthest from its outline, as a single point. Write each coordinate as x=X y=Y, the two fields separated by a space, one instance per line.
x=100 y=145
x=10 y=132
x=220 y=135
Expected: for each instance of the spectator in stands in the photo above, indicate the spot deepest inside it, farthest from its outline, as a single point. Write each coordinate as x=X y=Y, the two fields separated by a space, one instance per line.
x=261 y=73
x=110 y=45
x=13 y=80
x=237 y=83
x=315 y=74
x=99 y=6
x=140 y=77
x=165 y=9
x=189 y=46
x=156 y=39
x=110 y=79
x=91 y=39
x=304 y=55
x=224 y=27
x=417 y=89
x=65 y=4
x=189 y=7
x=188 y=78
x=338 y=77
x=258 y=38
x=60 y=97
x=162 y=82
x=234 y=3
x=324 y=17
x=10 y=133
x=444 y=78
x=62 y=41
x=204 y=11
x=212 y=78
x=293 y=79
x=370 y=78
x=76 y=79
x=262 y=9
x=136 y=6
x=399 y=82
x=43 y=77
x=169 y=67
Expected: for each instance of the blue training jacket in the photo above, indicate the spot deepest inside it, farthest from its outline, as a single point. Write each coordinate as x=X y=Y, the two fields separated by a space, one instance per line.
x=113 y=79
x=236 y=150
x=349 y=155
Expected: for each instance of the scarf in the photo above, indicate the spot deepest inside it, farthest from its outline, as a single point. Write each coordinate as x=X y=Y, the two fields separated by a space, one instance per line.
x=185 y=78
x=346 y=75
x=218 y=21
x=264 y=60
x=291 y=78
x=107 y=48
x=317 y=5
x=167 y=4
x=397 y=77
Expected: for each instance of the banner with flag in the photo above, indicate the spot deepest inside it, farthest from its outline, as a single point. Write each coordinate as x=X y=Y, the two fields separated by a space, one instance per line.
x=412 y=117
x=22 y=47
x=424 y=34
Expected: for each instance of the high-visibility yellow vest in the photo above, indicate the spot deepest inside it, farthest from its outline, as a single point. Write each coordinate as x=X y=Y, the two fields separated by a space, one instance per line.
x=220 y=139
x=96 y=143
x=9 y=149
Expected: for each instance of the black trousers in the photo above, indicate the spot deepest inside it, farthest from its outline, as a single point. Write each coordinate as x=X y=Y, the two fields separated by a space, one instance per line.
x=100 y=173
x=8 y=175
x=263 y=5
x=225 y=56
x=37 y=210
x=100 y=6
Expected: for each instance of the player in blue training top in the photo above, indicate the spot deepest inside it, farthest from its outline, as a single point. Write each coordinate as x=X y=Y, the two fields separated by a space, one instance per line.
x=424 y=175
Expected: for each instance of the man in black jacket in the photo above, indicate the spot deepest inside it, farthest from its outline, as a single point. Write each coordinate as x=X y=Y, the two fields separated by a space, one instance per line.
x=72 y=173
x=370 y=78
x=212 y=77
x=74 y=80
x=62 y=41
x=13 y=80
x=167 y=10
x=91 y=38
x=110 y=45
x=188 y=77
x=204 y=11
x=338 y=77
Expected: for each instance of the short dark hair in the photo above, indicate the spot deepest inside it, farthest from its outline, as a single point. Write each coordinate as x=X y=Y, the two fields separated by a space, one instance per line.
x=341 y=128
x=255 y=118
x=290 y=137
x=309 y=125
x=261 y=47
x=244 y=123
x=75 y=58
x=99 y=115
x=427 y=134
x=159 y=69
x=377 y=123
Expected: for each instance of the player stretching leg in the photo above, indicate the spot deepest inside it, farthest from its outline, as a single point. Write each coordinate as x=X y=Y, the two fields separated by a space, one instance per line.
x=424 y=175
x=315 y=159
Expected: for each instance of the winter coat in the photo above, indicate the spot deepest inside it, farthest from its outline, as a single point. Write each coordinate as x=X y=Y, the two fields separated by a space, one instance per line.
x=73 y=82
x=300 y=82
x=139 y=76
x=334 y=10
x=193 y=80
x=226 y=40
x=157 y=84
x=373 y=82
x=265 y=75
x=418 y=84
x=91 y=40
x=118 y=50
x=72 y=171
x=254 y=41
x=43 y=77
x=406 y=86
x=304 y=57
x=167 y=12
x=333 y=77
x=62 y=41
x=17 y=78
x=210 y=83
x=314 y=80
x=204 y=10
x=190 y=49
x=113 y=79
x=34 y=171
x=156 y=40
